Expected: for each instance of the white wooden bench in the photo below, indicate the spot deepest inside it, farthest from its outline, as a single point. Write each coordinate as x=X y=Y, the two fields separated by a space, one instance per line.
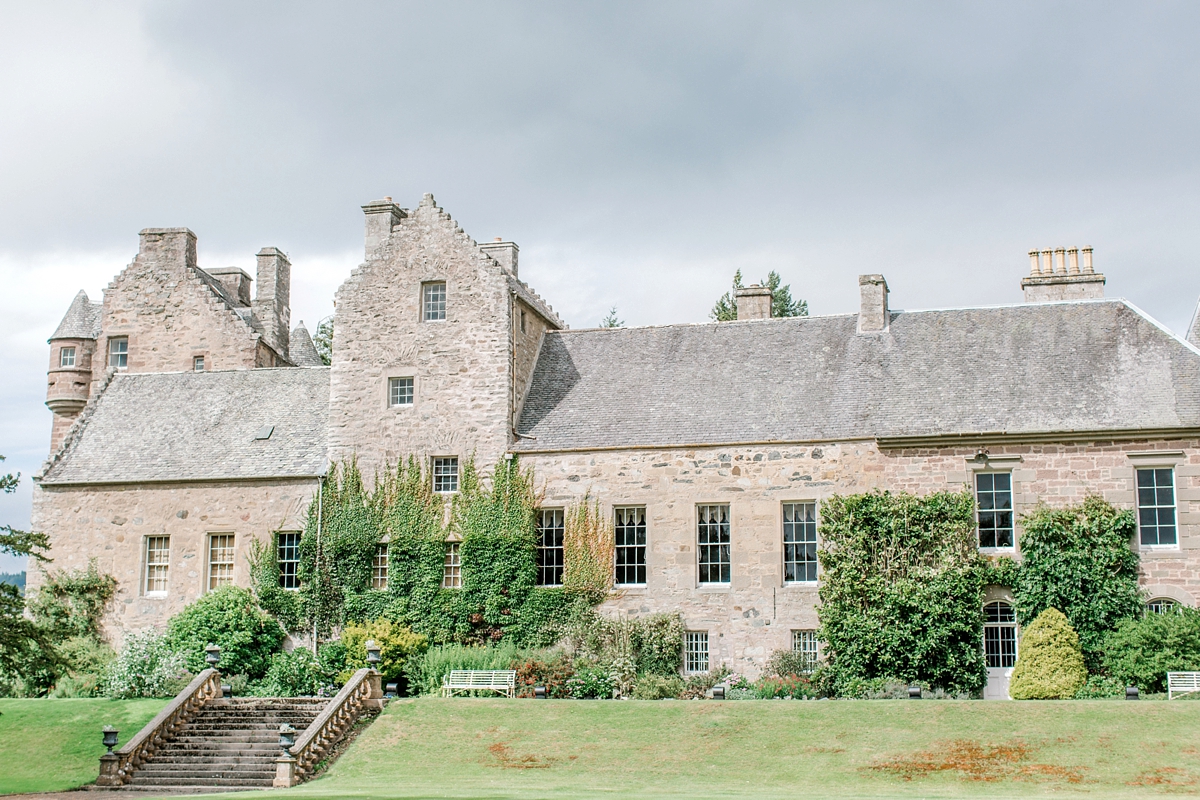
x=1182 y=683
x=503 y=681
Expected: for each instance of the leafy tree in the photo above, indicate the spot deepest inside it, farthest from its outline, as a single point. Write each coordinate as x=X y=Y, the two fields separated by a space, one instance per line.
x=612 y=321
x=1142 y=650
x=25 y=649
x=1078 y=560
x=901 y=595
x=323 y=340
x=782 y=304
x=231 y=619
x=1050 y=665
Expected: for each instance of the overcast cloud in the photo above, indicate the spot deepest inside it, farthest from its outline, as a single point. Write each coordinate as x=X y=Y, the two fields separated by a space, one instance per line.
x=637 y=152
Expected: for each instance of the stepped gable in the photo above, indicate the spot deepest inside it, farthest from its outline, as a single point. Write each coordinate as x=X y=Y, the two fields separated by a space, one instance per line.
x=1087 y=366
x=82 y=320
x=301 y=350
x=534 y=301
x=188 y=426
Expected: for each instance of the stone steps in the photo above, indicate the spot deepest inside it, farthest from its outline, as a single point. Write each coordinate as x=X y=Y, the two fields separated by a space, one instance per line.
x=229 y=745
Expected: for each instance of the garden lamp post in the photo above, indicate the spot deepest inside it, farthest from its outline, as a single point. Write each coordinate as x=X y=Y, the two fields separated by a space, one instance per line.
x=110 y=738
x=373 y=654
x=212 y=655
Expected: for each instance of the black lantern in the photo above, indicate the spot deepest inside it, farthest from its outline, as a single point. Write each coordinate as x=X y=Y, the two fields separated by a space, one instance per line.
x=287 y=738
x=110 y=738
x=1131 y=693
x=372 y=653
x=539 y=693
x=914 y=693
x=212 y=655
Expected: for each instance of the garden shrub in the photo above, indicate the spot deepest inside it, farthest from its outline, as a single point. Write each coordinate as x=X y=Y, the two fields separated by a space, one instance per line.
x=590 y=682
x=1049 y=661
x=1079 y=561
x=657 y=641
x=425 y=671
x=145 y=667
x=790 y=687
x=552 y=672
x=697 y=686
x=1141 y=651
x=85 y=660
x=71 y=603
x=882 y=688
x=782 y=663
x=901 y=595
x=1101 y=687
x=396 y=644
x=296 y=673
x=654 y=643
x=650 y=686
x=230 y=618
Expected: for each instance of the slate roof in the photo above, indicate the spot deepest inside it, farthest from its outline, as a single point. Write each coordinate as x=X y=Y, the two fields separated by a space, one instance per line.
x=1027 y=369
x=301 y=350
x=82 y=320
x=186 y=426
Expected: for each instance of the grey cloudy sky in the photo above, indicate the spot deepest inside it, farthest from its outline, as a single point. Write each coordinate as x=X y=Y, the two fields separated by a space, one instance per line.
x=637 y=152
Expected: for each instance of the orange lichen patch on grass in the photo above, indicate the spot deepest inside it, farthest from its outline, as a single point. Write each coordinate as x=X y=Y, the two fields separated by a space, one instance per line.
x=1165 y=777
x=509 y=760
x=977 y=761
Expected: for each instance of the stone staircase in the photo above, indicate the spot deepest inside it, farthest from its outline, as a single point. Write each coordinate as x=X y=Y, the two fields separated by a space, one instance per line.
x=228 y=745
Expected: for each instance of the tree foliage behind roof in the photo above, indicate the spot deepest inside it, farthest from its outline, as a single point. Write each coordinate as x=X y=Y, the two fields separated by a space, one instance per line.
x=782 y=304
x=901 y=592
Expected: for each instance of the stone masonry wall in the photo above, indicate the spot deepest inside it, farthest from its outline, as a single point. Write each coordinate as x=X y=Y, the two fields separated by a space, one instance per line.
x=461 y=366
x=169 y=315
x=526 y=344
x=110 y=524
x=756 y=613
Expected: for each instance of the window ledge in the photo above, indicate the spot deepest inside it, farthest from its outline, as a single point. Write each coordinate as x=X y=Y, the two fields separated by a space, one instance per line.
x=154 y=596
x=1000 y=551
x=1160 y=549
x=801 y=584
x=714 y=587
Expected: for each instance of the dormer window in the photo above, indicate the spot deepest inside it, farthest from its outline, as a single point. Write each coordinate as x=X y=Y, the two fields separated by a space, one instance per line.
x=118 y=352
x=433 y=301
x=66 y=357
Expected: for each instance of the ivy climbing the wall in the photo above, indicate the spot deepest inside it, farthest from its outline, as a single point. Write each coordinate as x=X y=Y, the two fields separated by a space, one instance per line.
x=492 y=524
x=901 y=592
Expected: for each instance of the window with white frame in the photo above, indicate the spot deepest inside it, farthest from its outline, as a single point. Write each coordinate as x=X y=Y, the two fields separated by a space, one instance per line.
x=695 y=651
x=197 y=363
x=158 y=560
x=550 y=552
x=433 y=301
x=400 y=391
x=712 y=543
x=994 y=508
x=452 y=567
x=379 y=567
x=445 y=474
x=1162 y=605
x=804 y=642
x=287 y=553
x=799 y=542
x=999 y=635
x=629 y=528
x=1156 y=507
x=220 y=560
x=66 y=357
x=118 y=352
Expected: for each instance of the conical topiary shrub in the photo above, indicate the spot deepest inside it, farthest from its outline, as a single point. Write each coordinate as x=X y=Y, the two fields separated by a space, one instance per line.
x=1049 y=661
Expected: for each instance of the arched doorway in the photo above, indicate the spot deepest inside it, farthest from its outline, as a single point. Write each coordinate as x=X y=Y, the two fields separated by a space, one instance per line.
x=999 y=648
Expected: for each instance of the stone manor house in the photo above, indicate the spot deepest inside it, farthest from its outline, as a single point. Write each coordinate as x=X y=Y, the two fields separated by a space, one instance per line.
x=190 y=419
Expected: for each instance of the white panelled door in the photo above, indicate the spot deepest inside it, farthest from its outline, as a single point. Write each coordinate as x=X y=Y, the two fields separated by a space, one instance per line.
x=999 y=648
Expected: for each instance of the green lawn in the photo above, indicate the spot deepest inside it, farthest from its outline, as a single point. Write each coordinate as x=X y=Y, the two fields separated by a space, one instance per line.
x=569 y=749
x=50 y=745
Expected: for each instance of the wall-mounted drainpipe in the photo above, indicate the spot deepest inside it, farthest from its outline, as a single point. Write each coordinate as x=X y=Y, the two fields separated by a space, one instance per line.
x=317 y=560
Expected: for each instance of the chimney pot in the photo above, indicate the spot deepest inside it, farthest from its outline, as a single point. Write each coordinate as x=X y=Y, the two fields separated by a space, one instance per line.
x=753 y=302
x=1061 y=278
x=873 y=314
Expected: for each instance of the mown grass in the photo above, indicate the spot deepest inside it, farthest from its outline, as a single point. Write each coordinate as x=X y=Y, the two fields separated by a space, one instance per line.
x=481 y=748
x=51 y=745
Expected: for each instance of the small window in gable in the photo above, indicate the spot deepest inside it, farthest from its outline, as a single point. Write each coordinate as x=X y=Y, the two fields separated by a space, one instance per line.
x=445 y=475
x=433 y=301
x=118 y=352
x=198 y=363
x=400 y=391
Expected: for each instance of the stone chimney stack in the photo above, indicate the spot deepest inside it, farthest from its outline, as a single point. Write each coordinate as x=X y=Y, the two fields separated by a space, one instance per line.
x=272 y=298
x=235 y=281
x=504 y=252
x=167 y=246
x=1057 y=275
x=382 y=216
x=873 y=314
x=753 y=302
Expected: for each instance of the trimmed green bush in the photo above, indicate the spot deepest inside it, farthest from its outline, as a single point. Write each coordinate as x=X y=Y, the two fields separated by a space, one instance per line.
x=230 y=618
x=657 y=687
x=396 y=644
x=1050 y=660
x=1141 y=651
x=297 y=673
